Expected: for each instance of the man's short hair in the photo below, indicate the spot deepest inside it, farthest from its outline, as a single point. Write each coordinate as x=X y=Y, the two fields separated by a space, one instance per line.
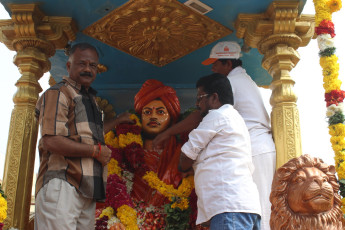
x=217 y=83
x=235 y=62
x=82 y=46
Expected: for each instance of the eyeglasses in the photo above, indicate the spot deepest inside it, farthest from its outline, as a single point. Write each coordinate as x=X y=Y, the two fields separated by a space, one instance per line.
x=198 y=98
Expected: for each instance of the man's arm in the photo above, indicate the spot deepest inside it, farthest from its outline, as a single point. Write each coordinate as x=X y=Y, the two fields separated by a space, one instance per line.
x=185 y=163
x=69 y=148
x=122 y=118
x=189 y=123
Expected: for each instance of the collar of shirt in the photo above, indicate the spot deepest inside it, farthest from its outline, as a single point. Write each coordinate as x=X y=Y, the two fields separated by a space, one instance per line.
x=79 y=87
x=236 y=71
x=225 y=106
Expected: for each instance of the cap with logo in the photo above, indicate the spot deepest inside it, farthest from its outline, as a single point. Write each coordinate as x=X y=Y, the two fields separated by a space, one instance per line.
x=223 y=50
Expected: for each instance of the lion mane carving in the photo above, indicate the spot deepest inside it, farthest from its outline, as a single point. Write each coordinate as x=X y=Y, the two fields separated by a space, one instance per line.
x=305 y=196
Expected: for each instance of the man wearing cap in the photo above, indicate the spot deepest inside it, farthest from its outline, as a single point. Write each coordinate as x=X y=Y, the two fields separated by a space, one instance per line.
x=248 y=102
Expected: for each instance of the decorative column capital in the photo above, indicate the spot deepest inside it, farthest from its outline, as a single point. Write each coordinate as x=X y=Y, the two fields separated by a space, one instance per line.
x=30 y=27
x=280 y=24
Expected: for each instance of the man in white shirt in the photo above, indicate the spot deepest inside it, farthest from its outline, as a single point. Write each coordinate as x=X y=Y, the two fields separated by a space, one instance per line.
x=225 y=60
x=220 y=153
x=248 y=102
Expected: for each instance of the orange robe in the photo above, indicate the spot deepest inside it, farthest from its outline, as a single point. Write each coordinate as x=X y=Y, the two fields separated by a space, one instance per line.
x=165 y=165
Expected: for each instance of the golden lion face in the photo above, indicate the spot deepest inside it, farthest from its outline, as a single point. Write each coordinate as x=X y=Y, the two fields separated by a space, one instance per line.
x=309 y=192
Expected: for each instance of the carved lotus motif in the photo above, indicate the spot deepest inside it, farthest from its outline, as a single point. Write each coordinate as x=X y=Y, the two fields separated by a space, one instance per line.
x=156 y=31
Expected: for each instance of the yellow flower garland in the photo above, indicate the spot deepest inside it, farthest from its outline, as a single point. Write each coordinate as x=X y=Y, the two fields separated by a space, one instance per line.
x=126 y=214
x=3 y=209
x=114 y=168
x=183 y=191
x=330 y=66
x=128 y=217
x=111 y=139
x=109 y=212
x=334 y=5
x=127 y=139
x=322 y=11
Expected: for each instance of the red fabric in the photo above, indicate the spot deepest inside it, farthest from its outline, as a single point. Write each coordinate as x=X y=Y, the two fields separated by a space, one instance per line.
x=153 y=89
x=165 y=165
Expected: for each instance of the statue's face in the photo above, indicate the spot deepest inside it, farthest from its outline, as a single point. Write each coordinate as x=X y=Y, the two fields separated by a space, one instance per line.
x=310 y=192
x=155 y=117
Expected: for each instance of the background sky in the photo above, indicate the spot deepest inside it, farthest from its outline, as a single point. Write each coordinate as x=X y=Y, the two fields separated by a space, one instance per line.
x=307 y=75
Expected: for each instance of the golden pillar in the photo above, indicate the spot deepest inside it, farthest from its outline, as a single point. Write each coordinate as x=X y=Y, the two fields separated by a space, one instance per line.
x=34 y=37
x=277 y=34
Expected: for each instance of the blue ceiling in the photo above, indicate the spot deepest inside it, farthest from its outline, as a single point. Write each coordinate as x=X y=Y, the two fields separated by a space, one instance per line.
x=126 y=73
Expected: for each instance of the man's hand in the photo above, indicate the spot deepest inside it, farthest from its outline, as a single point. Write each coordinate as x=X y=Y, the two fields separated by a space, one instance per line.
x=161 y=140
x=124 y=118
x=104 y=156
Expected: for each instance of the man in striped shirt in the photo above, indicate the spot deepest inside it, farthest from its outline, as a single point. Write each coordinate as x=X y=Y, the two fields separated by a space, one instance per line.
x=73 y=155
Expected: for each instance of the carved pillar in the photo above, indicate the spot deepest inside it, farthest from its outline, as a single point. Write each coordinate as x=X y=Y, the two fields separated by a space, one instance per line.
x=277 y=34
x=35 y=37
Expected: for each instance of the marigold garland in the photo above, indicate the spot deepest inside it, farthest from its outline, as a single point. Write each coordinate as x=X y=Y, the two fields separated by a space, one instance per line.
x=113 y=167
x=127 y=146
x=334 y=96
x=128 y=217
x=117 y=191
x=3 y=207
x=109 y=212
x=183 y=191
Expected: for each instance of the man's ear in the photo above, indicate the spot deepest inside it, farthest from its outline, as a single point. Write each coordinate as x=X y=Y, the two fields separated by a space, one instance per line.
x=215 y=98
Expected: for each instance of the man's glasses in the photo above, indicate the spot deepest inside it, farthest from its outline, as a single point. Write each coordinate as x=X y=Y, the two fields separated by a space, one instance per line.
x=198 y=98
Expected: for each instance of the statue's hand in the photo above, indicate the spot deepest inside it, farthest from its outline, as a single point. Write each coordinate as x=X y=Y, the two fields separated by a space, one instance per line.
x=161 y=140
x=124 y=118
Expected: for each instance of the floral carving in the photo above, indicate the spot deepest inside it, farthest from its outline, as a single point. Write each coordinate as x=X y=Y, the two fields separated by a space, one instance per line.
x=156 y=31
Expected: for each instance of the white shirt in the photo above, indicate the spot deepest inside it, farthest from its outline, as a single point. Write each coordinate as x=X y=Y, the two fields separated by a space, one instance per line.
x=248 y=102
x=223 y=168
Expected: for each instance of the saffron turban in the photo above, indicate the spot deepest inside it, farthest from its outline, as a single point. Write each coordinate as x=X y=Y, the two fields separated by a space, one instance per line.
x=153 y=89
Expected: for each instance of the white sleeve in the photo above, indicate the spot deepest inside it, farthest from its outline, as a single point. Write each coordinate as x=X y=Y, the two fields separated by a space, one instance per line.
x=200 y=137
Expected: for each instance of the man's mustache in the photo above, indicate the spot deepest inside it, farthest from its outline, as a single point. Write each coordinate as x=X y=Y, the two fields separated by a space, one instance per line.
x=88 y=74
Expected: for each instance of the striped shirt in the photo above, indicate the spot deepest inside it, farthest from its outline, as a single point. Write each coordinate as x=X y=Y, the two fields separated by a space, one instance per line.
x=68 y=109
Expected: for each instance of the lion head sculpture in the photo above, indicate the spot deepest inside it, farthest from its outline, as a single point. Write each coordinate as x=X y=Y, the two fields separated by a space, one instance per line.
x=305 y=196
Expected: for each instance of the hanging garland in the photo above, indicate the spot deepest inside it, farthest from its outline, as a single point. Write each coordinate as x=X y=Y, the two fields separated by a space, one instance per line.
x=334 y=96
x=3 y=208
x=120 y=211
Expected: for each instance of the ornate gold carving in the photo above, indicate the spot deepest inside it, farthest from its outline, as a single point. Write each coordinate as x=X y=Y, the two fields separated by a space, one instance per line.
x=277 y=34
x=279 y=61
x=286 y=132
x=29 y=27
x=107 y=108
x=19 y=165
x=156 y=31
x=280 y=24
